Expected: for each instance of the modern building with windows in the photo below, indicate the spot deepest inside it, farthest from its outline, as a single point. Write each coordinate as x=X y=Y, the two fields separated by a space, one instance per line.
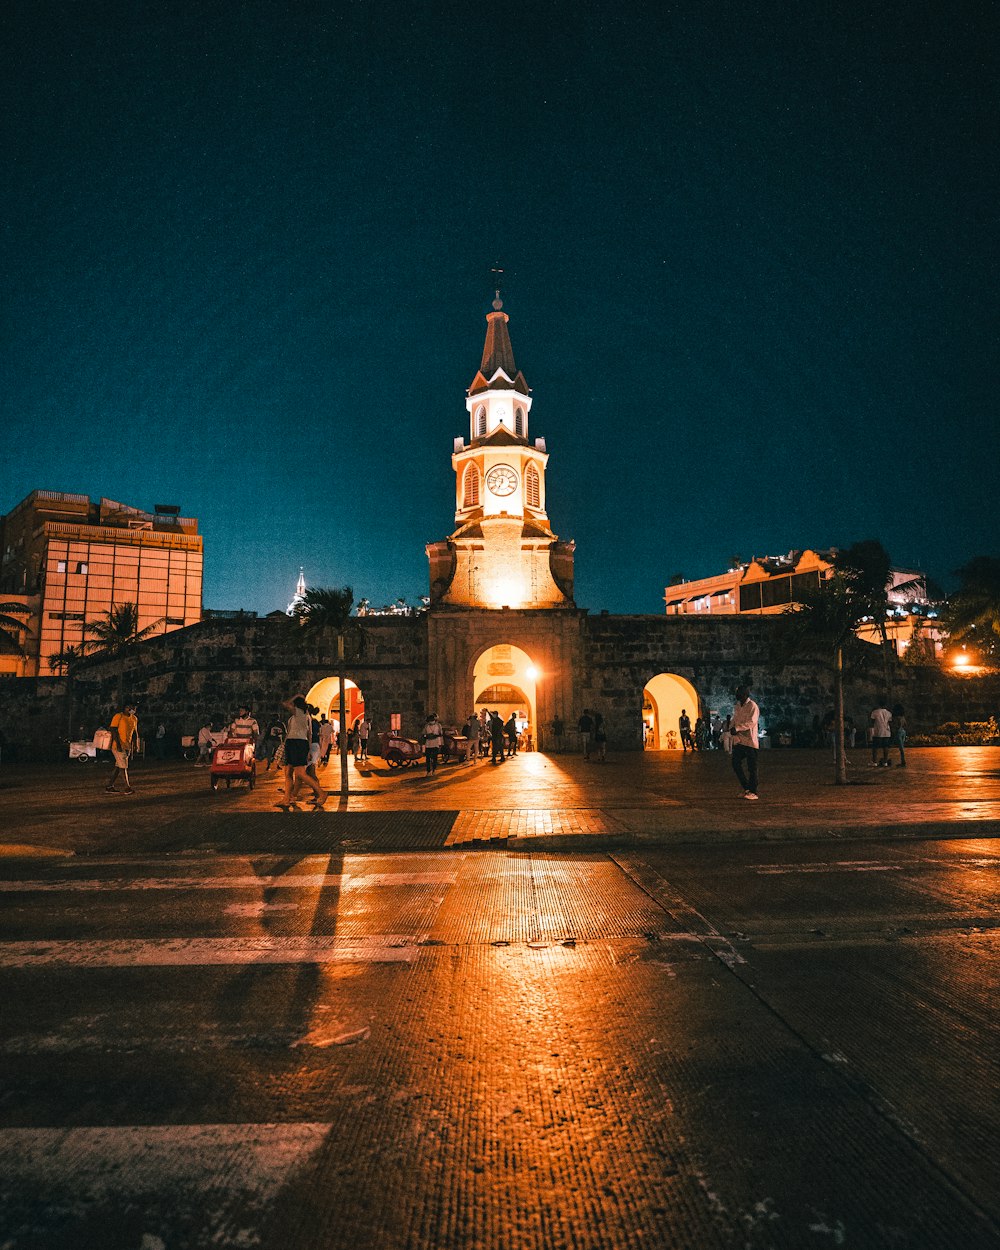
x=69 y=559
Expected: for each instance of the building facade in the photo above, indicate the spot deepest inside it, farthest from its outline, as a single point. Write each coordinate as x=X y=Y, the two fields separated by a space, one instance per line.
x=71 y=559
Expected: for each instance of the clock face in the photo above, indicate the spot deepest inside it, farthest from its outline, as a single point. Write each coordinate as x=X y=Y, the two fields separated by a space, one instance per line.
x=502 y=480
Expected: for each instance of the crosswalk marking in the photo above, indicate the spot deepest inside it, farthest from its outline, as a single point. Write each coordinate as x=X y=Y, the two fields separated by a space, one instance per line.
x=285 y=881
x=208 y=952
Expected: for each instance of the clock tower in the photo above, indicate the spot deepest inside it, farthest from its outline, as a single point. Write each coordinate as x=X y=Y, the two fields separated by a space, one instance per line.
x=503 y=552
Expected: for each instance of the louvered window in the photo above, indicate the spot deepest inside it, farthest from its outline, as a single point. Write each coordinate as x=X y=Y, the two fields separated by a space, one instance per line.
x=471 y=497
x=519 y=423
x=532 y=488
x=481 y=423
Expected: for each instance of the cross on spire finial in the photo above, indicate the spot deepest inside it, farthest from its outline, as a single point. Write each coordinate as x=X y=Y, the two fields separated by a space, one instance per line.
x=497 y=273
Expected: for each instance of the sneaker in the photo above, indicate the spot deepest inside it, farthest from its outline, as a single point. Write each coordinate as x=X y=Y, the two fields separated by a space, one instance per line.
x=129 y=790
x=750 y=795
x=111 y=790
x=319 y=804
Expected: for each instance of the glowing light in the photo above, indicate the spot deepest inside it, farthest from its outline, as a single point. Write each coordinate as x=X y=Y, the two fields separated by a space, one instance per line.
x=531 y=671
x=961 y=659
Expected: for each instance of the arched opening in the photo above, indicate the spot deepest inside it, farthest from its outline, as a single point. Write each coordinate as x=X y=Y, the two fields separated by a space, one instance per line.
x=480 y=422
x=519 y=423
x=665 y=697
x=505 y=681
x=325 y=695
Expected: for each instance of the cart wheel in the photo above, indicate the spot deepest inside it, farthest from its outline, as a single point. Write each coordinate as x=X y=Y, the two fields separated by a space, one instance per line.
x=84 y=758
x=215 y=784
x=405 y=763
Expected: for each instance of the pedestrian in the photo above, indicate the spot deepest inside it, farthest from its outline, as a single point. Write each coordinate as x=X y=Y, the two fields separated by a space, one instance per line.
x=325 y=738
x=684 y=725
x=315 y=748
x=160 y=741
x=364 y=732
x=273 y=738
x=899 y=731
x=600 y=738
x=298 y=738
x=472 y=734
x=585 y=727
x=558 y=729
x=510 y=729
x=243 y=726
x=124 y=737
x=433 y=739
x=205 y=743
x=496 y=738
x=746 y=719
x=881 y=719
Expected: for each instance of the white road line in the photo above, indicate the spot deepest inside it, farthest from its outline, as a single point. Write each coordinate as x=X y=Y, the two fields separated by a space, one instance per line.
x=174 y=1167
x=208 y=952
x=286 y=881
x=778 y=870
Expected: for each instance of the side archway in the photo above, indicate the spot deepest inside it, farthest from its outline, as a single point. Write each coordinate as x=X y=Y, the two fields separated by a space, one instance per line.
x=325 y=695
x=664 y=697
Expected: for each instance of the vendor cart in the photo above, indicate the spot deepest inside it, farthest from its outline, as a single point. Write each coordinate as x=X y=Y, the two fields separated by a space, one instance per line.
x=400 y=752
x=233 y=760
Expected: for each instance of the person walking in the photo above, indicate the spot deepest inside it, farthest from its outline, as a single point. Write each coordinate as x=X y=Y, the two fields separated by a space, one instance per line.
x=496 y=738
x=298 y=739
x=585 y=727
x=881 y=719
x=558 y=729
x=364 y=730
x=433 y=742
x=510 y=729
x=273 y=737
x=899 y=731
x=160 y=741
x=124 y=736
x=472 y=734
x=600 y=738
x=684 y=725
x=746 y=744
x=205 y=743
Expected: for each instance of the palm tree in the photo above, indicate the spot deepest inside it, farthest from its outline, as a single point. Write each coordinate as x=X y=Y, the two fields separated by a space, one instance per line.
x=973 y=612
x=827 y=618
x=322 y=613
x=11 y=627
x=115 y=634
x=67 y=662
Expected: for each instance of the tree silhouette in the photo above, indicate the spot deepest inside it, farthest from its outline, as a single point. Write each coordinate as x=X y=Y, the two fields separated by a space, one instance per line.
x=973 y=612
x=114 y=636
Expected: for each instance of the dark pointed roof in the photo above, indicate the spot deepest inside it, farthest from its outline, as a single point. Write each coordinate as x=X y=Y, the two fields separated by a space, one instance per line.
x=498 y=357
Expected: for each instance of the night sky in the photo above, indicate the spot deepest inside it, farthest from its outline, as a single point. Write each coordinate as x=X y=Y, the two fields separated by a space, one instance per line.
x=750 y=259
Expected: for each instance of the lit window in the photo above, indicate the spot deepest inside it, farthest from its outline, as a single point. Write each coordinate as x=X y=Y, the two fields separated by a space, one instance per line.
x=532 y=487
x=61 y=566
x=82 y=566
x=471 y=494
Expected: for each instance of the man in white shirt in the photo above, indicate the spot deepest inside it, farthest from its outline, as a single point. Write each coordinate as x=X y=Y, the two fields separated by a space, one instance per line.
x=746 y=718
x=881 y=720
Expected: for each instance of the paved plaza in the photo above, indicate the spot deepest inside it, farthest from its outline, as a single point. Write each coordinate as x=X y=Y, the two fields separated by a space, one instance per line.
x=548 y=1004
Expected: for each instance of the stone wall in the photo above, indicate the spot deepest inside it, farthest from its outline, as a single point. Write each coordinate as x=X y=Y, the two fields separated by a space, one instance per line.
x=414 y=664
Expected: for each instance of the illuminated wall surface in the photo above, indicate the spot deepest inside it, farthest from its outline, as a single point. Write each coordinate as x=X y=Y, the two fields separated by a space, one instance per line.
x=70 y=559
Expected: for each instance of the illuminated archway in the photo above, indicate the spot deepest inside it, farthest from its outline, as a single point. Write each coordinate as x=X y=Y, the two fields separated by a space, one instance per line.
x=505 y=681
x=664 y=698
x=325 y=695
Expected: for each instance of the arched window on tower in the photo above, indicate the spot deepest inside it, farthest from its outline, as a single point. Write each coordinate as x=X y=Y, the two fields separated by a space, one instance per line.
x=519 y=423
x=470 y=498
x=480 y=422
x=532 y=488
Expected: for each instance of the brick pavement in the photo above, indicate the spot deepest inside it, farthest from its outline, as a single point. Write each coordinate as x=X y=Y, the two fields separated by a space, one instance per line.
x=532 y=799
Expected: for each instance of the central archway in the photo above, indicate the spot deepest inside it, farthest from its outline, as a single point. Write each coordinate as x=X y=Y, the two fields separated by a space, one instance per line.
x=664 y=698
x=325 y=695
x=504 y=681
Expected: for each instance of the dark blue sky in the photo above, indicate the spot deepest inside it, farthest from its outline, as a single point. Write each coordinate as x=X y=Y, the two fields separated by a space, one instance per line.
x=751 y=255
